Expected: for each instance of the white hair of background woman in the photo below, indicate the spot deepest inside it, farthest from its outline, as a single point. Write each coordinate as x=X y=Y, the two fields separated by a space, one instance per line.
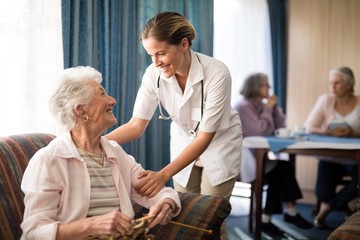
x=347 y=75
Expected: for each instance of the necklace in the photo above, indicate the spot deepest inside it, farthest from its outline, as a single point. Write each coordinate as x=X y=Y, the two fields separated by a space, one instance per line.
x=103 y=155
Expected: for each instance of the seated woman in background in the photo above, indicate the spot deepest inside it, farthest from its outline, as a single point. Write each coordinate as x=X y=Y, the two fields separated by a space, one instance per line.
x=82 y=184
x=340 y=107
x=260 y=116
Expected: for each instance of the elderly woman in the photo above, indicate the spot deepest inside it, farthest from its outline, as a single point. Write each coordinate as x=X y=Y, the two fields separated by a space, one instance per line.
x=260 y=116
x=337 y=114
x=81 y=184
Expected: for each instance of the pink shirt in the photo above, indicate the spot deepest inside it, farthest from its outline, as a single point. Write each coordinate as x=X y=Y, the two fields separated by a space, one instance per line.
x=56 y=184
x=322 y=113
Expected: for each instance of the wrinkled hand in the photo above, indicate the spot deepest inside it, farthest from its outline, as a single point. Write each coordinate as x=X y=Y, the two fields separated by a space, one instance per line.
x=162 y=212
x=151 y=183
x=113 y=222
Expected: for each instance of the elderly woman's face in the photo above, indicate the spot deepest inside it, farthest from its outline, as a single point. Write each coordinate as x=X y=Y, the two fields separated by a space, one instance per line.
x=100 y=108
x=264 y=89
x=338 y=86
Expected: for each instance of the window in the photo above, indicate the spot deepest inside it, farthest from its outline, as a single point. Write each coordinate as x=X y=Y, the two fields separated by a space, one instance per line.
x=30 y=59
x=242 y=39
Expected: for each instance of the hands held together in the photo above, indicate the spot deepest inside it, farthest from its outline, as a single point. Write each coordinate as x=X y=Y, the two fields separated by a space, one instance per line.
x=116 y=222
x=271 y=102
x=343 y=132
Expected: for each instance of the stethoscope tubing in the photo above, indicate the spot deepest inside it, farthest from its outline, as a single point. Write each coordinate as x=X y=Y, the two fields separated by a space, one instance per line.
x=192 y=133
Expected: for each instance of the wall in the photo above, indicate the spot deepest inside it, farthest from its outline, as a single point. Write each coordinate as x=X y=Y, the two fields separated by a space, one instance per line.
x=322 y=34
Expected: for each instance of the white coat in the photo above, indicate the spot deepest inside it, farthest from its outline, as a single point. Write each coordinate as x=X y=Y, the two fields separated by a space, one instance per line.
x=221 y=160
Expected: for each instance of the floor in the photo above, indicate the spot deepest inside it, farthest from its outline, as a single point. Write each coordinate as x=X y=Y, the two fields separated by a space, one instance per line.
x=237 y=222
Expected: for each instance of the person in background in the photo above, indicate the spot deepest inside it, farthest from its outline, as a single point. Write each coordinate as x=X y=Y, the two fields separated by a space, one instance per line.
x=82 y=184
x=336 y=113
x=260 y=116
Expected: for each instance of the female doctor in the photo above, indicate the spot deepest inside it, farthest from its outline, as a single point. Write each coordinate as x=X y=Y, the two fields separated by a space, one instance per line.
x=194 y=89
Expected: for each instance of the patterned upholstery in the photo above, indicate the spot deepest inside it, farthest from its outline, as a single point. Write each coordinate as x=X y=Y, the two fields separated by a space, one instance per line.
x=350 y=229
x=200 y=211
x=15 y=152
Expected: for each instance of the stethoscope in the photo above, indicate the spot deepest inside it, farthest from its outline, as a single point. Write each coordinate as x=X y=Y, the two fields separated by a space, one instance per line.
x=191 y=133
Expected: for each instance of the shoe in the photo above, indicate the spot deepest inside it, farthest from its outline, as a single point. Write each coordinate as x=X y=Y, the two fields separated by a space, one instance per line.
x=271 y=228
x=298 y=221
x=320 y=223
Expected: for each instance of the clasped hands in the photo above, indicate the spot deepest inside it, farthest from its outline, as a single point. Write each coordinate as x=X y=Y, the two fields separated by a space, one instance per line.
x=341 y=132
x=116 y=222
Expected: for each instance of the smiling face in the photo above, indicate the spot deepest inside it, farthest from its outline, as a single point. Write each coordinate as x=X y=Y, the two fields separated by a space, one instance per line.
x=100 y=107
x=338 y=86
x=170 y=59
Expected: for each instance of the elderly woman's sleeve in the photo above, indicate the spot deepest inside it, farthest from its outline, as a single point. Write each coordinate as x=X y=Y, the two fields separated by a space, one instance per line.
x=164 y=193
x=316 y=120
x=279 y=118
x=254 y=124
x=41 y=203
x=147 y=202
x=168 y=192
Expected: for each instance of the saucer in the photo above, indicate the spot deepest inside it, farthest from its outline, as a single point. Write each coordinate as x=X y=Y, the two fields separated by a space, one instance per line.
x=285 y=137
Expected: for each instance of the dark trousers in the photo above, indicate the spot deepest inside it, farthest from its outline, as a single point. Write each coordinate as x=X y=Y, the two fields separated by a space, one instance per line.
x=282 y=187
x=329 y=175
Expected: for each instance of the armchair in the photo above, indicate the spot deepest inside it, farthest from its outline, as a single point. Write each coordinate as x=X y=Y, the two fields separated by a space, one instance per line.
x=201 y=211
x=350 y=229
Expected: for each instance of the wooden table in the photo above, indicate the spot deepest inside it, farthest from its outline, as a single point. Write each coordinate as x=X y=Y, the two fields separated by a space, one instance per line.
x=308 y=148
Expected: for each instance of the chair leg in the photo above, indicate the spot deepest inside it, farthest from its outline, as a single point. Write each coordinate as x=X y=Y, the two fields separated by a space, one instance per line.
x=251 y=212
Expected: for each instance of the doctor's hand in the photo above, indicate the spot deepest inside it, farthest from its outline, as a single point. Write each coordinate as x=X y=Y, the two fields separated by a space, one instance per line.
x=151 y=183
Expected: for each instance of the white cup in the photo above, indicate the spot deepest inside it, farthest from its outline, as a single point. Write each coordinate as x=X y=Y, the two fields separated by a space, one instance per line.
x=300 y=130
x=282 y=132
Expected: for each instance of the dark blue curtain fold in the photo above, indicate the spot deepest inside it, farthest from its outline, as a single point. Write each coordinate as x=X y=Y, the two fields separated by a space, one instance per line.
x=277 y=14
x=104 y=34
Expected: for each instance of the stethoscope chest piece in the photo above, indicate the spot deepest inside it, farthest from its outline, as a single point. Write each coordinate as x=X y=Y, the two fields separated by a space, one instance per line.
x=192 y=135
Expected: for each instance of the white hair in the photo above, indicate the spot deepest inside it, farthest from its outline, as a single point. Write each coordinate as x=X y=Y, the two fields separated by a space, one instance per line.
x=346 y=74
x=73 y=90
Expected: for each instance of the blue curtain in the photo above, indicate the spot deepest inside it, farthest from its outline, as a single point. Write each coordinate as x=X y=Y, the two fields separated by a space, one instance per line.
x=277 y=13
x=104 y=34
